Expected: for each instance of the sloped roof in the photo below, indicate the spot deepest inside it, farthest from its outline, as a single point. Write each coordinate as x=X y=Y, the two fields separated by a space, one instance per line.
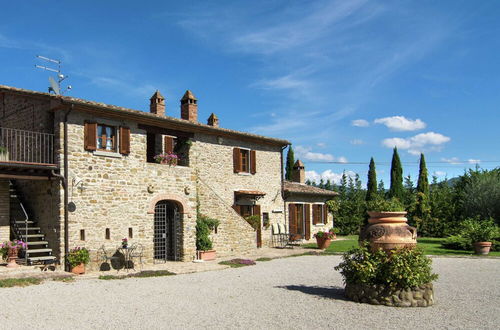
x=189 y=95
x=157 y=95
x=113 y=111
x=304 y=189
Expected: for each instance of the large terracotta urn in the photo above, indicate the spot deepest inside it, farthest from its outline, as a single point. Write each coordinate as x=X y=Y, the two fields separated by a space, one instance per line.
x=388 y=230
x=12 y=257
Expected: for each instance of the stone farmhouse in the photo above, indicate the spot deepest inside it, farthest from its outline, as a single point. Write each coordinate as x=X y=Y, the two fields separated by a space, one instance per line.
x=80 y=173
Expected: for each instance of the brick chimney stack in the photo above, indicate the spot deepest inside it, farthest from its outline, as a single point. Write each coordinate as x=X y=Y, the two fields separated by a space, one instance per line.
x=189 y=107
x=157 y=104
x=299 y=172
x=213 y=120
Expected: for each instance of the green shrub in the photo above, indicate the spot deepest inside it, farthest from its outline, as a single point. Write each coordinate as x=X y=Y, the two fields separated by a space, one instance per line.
x=402 y=268
x=204 y=226
x=254 y=221
x=385 y=205
x=457 y=242
x=479 y=230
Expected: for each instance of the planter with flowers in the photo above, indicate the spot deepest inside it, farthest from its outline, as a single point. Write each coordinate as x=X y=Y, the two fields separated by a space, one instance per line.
x=10 y=251
x=167 y=158
x=124 y=243
x=78 y=258
x=324 y=238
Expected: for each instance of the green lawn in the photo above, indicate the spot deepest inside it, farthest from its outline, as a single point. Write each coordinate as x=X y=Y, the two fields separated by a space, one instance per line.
x=431 y=246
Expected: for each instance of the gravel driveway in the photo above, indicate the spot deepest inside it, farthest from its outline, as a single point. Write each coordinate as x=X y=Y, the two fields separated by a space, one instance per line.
x=301 y=292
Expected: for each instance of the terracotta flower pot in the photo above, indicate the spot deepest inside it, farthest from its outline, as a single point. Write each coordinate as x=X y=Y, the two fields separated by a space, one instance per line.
x=388 y=230
x=12 y=257
x=323 y=242
x=206 y=255
x=78 y=269
x=482 y=248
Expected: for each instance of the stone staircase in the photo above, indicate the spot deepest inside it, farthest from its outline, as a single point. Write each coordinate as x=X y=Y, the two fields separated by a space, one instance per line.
x=25 y=228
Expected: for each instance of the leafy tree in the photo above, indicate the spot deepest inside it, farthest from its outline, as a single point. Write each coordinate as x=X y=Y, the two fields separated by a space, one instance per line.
x=321 y=183
x=328 y=185
x=423 y=180
x=381 y=189
x=290 y=161
x=308 y=182
x=396 y=189
x=371 y=186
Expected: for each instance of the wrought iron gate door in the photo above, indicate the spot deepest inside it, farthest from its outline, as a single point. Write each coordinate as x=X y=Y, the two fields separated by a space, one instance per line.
x=165 y=231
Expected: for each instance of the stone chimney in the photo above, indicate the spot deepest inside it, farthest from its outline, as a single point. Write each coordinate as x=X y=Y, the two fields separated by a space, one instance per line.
x=299 y=172
x=189 y=107
x=157 y=104
x=213 y=120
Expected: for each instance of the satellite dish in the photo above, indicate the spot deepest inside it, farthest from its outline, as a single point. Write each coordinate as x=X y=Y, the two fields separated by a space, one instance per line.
x=54 y=87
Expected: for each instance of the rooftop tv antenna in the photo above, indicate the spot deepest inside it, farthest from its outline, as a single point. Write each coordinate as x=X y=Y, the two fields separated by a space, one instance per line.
x=54 y=85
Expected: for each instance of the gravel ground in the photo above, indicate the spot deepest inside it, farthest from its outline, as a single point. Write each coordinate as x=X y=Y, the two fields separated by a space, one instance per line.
x=301 y=292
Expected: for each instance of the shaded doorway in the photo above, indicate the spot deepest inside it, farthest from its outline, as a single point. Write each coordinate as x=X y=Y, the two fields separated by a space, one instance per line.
x=167 y=226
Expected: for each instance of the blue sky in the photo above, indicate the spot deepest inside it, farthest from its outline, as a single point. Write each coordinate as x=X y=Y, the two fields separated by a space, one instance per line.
x=343 y=80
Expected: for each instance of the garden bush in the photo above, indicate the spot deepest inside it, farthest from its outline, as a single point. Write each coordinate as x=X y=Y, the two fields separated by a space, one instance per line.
x=402 y=268
x=457 y=242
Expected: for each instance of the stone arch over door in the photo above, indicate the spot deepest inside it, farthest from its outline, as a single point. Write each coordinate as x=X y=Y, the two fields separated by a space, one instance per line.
x=181 y=201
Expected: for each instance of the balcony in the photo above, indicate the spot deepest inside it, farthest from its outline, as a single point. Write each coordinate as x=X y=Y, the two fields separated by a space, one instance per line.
x=26 y=154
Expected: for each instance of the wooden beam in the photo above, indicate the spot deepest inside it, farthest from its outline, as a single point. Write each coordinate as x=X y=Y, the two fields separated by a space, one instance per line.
x=24 y=177
x=165 y=131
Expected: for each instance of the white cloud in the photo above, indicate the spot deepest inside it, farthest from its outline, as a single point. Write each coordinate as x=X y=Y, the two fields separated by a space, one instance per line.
x=321 y=144
x=357 y=142
x=328 y=175
x=452 y=160
x=474 y=161
x=439 y=173
x=360 y=123
x=419 y=143
x=306 y=154
x=400 y=123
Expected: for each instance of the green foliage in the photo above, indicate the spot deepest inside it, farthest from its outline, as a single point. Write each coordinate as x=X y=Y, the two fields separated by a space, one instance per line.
x=402 y=268
x=290 y=161
x=396 y=189
x=78 y=256
x=12 y=282
x=479 y=230
x=371 y=186
x=385 y=205
x=3 y=150
x=423 y=177
x=457 y=242
x=204 y=226
x=478 y=194
x=254 y=221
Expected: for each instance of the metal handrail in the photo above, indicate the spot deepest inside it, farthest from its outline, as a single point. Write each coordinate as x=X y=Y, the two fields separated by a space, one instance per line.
x=26 y=146
x=26 y=219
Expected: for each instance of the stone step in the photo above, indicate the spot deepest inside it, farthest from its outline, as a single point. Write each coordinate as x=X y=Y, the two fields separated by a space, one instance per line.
x=22 y=222
x=38 y=243
x=33 y=236
x=33 y=251
x=44 y=258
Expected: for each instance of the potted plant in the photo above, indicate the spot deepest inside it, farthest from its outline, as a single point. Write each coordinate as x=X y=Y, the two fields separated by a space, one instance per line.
x=324 y=238
x=204 y=245
x=10 y=251
x=4 y=154
x=480 y=233
x=124 y=243
x=387 y=228
x=167 y=158
x=78 y=258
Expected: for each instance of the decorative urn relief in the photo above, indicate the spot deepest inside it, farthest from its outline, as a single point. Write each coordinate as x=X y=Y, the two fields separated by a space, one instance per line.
x=389 y=230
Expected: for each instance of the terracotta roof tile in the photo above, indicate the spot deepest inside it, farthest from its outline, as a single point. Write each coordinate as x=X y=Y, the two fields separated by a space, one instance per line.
x=304 y=189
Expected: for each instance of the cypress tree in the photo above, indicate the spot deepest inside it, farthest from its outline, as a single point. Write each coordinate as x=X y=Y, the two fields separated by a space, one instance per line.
x=371 y=186
x=290 y=160
x=396 y=189
x=423 y=179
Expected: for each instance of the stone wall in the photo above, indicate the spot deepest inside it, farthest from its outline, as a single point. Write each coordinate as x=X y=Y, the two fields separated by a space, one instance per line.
x=421 y=296
x=213 y=160
x=4 y=211
x=234 y=234
x=118 y=192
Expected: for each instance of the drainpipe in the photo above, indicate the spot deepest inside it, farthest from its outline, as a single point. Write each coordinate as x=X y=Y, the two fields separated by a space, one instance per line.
x=283 y=185
x=64 y=180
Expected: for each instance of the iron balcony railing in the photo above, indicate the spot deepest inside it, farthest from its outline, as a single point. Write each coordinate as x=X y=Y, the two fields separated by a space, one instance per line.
x=26 y=146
